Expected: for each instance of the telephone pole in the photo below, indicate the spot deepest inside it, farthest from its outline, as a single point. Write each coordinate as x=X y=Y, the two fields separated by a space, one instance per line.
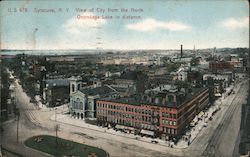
x=17 y=126
x=57 y=129
x=17 y=114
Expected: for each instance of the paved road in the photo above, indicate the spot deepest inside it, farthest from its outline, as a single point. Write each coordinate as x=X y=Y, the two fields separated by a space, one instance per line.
x=8 y=153
x=35 y=122
x=224 y=137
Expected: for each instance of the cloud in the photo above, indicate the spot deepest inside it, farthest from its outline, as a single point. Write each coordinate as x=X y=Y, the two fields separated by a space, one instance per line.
x=79 y=24
x=236 y=23
x=152 y=24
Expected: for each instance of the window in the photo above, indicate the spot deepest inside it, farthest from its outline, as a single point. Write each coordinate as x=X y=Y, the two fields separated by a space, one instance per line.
x=163 y=114
x=81 y=105
x=170 y=98
x=173 y=131
x=174 y=116
x=73 y=88
x=174 y=123
x=170 y=122
x=168 y=130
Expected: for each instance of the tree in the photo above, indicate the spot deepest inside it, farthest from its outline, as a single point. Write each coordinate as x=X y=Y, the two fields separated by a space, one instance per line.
x=195 y=61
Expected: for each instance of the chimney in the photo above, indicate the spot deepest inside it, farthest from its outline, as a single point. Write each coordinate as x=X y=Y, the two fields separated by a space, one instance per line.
x=181 y=52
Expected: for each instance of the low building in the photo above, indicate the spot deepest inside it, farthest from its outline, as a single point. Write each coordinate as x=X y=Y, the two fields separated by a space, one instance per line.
x=226 y=78
x=163 y=114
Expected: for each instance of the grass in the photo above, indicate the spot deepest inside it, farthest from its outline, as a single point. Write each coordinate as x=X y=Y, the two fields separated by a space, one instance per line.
x=48 y=145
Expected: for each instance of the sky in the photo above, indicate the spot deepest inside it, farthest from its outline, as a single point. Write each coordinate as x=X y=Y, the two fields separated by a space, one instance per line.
x=156 y=24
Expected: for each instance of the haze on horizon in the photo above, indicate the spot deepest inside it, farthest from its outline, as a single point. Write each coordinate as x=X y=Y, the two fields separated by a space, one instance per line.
x=164 y=25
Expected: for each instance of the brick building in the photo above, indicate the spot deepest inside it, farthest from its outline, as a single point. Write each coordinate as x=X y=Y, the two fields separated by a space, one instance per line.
x=220 y=66
x=164 y=115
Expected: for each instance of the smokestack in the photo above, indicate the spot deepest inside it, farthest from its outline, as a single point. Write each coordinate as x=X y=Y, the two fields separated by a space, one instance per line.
x=181 y=52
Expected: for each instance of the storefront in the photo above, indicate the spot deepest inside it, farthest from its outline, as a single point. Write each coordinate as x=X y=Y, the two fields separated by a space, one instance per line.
x=147 y=133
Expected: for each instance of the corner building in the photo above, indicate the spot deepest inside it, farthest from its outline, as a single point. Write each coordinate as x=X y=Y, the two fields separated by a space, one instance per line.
x=152 y=116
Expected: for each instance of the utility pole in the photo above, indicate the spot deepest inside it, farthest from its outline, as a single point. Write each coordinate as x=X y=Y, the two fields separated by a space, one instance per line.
x=57 y=129
x=17 y=126
x=17 y=114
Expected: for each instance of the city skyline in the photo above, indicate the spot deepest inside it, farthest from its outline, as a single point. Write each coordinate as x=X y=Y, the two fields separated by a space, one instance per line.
x=162 y=25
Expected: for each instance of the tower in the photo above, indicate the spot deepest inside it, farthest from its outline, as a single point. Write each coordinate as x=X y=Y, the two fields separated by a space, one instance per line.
x=75 y=84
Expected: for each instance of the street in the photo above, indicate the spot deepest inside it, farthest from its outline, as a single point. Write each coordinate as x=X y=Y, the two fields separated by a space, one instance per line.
x=212 y=141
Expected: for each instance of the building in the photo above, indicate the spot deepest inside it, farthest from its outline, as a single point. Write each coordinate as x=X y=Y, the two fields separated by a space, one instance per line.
x=56 y=92
x=83 y=100
x=220 y=66
x=132 y=82
x=164 y=114
x=219 y=82
x=226 y=78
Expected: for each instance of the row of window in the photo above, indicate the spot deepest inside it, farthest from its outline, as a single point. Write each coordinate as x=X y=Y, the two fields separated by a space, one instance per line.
x=136 y=110
x=136 y=124
x=169 y=122
x=77 y=105
x=124 y=108
x=123 y=115
x=169 y=130
x=169 y=115
x=127 y=123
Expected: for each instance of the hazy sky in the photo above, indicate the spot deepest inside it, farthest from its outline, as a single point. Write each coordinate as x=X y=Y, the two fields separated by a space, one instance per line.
x=162 y=24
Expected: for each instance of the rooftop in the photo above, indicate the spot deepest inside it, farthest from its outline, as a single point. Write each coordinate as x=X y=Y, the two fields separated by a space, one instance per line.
x=57 y=82
x=98 y=91
x=158 y=99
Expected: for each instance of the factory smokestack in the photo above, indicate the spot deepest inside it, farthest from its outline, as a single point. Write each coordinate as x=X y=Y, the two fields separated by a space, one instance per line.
x=181 y=52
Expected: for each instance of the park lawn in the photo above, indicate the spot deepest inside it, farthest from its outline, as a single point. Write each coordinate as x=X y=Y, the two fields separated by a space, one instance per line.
x=47 y=144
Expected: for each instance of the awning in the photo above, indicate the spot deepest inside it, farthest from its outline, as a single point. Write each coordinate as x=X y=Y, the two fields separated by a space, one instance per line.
x=217 y=94
x=200 y=114
x=130 y=128
x=147 y=132
x=192 y=123
x=119 y=126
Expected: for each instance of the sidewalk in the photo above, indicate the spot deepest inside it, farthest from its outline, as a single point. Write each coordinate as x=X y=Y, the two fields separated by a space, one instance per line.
x=67 y=119
x=217 y=110
x=182 y=144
